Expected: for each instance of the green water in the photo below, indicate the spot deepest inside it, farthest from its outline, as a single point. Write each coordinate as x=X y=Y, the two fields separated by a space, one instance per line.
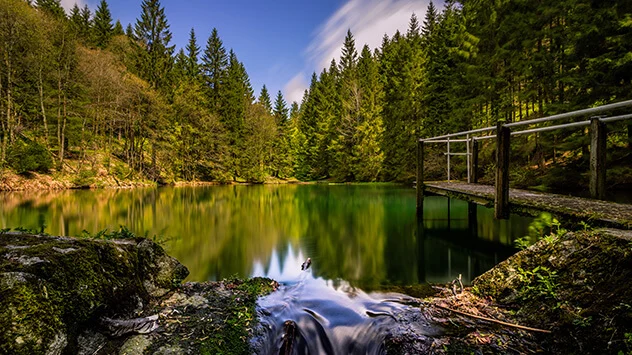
x=368 y=235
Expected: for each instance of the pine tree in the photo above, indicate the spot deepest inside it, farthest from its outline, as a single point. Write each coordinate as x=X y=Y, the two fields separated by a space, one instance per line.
x=102 y=30
x=118 y=29
x=214 y=68
x=344 y=141
x=51 y=7
x=264 y=99
x=236 y=98
x=282 y=161
x=154 y=53
x=192 y=67
x=129 y=31
x=281 y=112
x=367 y=152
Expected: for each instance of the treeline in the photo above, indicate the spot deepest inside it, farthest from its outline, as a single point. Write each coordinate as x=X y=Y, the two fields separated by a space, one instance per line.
x=468 y=66
x=79 y=93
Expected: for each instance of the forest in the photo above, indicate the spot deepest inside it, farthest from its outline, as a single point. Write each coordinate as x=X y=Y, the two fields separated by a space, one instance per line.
x=83 y=96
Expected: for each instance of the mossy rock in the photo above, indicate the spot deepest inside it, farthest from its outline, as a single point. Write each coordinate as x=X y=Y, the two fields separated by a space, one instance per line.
x=51 y=286
x=579 y=285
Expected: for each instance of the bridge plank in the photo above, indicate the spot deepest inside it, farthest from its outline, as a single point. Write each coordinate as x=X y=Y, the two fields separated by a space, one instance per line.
x=596 y=212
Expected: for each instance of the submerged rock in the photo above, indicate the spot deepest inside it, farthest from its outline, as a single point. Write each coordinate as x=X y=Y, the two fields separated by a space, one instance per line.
x=51 y=286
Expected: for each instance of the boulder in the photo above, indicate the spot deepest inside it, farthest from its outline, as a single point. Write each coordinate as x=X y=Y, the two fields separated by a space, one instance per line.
x=51 y=286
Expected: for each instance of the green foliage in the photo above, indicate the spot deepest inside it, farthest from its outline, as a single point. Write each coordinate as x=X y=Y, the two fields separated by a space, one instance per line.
x=171 y=116
x=540 y=282
x=122 y=233
x=29 y=156
x=102 y=27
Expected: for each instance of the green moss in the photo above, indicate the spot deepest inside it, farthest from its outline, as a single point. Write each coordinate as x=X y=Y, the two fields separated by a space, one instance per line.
x=232 y=337
x=27 y=315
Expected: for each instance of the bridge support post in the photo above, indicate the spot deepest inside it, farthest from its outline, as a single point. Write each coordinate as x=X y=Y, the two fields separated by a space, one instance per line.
x=597 y=159
x=501 y=203
x=420 y=177
x=473 y=177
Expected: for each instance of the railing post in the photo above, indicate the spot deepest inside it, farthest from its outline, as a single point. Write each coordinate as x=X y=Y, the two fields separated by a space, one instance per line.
x=473 y=177
x=420 y=177
x=448 y=159
x=501 y=203
x=468 y=158
x=597 y=158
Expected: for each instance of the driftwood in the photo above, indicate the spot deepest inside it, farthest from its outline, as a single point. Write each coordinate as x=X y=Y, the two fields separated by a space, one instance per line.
x=118 y=327
x=494 y=320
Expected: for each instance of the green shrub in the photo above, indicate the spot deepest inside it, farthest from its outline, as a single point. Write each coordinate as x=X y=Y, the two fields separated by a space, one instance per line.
x=29 y=156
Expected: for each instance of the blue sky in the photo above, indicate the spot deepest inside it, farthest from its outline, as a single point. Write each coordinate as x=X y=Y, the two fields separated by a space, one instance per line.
x=280 y=42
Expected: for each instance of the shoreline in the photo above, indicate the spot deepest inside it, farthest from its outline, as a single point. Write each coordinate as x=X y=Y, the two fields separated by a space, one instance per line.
x=562 y=286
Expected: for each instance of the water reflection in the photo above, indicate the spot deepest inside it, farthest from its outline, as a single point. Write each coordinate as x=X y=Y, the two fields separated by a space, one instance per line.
x=366 y=234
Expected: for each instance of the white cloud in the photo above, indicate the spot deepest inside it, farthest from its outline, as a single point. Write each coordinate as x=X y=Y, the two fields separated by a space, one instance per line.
x=69 y=4
x=368 y=20
x=295 y=88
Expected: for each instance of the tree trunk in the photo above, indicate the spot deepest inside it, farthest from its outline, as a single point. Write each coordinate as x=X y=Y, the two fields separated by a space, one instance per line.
x=41 y=96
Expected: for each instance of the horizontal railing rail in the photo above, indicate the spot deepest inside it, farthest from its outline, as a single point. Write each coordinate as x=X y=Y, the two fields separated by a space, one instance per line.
x=502 y=133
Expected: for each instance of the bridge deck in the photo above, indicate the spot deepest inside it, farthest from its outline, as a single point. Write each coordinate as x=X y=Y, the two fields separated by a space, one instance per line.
x=593 y=211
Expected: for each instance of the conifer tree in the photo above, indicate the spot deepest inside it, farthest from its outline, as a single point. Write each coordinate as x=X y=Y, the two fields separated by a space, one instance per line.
x=129 y=31
x=214 y=68
x=51 y=7
x=118 y=29
x=152 y=32
x=367 y=152
x=102 y=30
x=264 y=99
x=344 y=141
x=192 y=67
x=281 y=112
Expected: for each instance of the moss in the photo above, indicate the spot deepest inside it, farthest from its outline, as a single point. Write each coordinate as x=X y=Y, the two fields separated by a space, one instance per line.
x=79 y=279
x=577 y=285
x=235 y=332
x=27 y=315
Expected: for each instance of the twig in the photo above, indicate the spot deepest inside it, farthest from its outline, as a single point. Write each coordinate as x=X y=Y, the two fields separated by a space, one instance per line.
x=494 y=320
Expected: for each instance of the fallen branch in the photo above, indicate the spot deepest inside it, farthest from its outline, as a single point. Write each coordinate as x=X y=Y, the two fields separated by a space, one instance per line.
x=495 y=320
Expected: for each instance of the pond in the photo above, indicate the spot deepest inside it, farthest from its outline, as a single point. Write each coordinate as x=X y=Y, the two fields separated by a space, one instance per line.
x=365 y=235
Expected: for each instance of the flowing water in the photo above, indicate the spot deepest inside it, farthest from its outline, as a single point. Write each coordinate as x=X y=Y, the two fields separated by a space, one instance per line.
x=362 y=239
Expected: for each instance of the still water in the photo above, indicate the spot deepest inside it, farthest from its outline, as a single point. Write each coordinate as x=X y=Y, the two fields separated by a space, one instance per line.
x=365 y=235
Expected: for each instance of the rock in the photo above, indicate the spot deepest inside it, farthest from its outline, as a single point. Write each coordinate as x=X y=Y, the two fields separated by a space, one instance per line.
x=578 y=285
x=90 y=342
x=135 y=345
x=169 y=350
x=50 y=286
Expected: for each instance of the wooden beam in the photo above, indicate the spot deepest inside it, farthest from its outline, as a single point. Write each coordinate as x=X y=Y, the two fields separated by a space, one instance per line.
x=420 y=177
x=473 y=178
x=598 y=138
x=501 y=203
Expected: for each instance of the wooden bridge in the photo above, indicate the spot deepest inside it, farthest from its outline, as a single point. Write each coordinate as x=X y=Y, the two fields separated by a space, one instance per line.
x=505 y=199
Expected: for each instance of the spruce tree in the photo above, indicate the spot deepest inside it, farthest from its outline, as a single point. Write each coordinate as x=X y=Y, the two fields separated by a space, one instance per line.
x=214 y=68
x=152 y=32
x=344 y=141
x=280 y=112
x=102 y=30
x=118 y=29
x=367 y=151
x=51 y=7
x=192 y=67
x=264 y=99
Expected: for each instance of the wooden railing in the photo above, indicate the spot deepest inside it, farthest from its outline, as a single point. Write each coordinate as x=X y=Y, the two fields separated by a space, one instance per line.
x=503 y=134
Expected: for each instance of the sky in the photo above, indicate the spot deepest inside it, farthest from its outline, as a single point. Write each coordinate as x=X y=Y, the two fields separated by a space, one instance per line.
x=280 y=42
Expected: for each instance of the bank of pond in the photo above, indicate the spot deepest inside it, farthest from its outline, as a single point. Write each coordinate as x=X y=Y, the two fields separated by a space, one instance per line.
x=124 y=295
